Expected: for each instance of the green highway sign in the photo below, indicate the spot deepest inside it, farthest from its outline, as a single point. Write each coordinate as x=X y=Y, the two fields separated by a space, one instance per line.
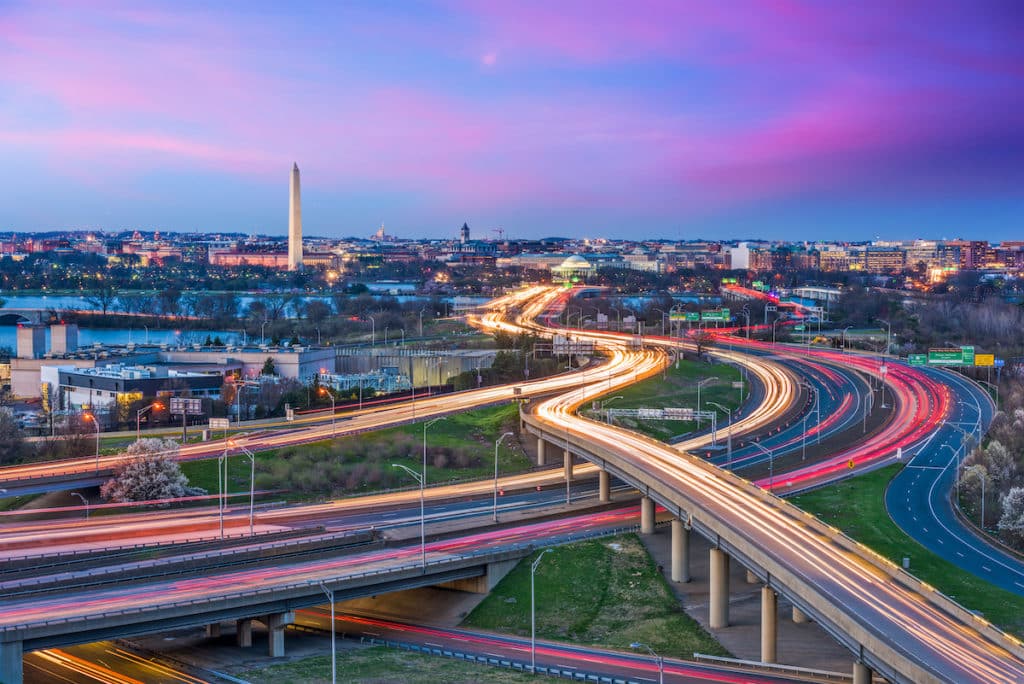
x=800 y=328
x=692 y=316
x=684 y=316
x=722 y=315
x=962 y=356
x=917 y=359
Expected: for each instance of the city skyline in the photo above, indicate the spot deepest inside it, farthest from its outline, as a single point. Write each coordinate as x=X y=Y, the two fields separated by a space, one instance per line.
x=686 y=120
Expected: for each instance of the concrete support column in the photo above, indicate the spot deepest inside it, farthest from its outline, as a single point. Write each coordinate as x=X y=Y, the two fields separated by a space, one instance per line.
x=646 y=515
x=541 y=456
x=604 y=486
x=243 y=633
x=567 y=464
x=751 y=577
x=11 y=654
x=719 y=589
x=800 y=616
x=680 y=552
x=275 y=632
x=861 y=673
x=213 y=630
x=769 y=624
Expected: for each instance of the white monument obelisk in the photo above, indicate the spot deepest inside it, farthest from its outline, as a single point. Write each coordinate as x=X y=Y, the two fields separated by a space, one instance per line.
x=294 y=222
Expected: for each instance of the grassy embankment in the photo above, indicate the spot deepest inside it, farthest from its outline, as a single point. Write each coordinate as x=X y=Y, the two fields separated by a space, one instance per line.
x=857 y=507
x=604 y=592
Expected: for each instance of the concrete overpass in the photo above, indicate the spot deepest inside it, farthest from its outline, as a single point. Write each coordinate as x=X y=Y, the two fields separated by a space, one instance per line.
x=94 y=616
x=893 y=624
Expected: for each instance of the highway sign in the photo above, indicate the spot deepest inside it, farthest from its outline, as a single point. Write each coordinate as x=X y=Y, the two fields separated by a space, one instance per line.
x=800 y=328
x=917 y=359
x=684 y=316
x=999 y=363
x=219 y=423
x=186 y=405
x=984 y=359
x=962 y=356
x=851 y=464
x=678 y=414
x=722 y=315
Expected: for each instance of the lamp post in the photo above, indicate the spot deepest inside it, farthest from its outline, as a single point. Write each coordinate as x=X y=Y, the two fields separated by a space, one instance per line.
x=95 y=424
x=262 y=326
x=663 y=315
x=252 y=481
x=817 y=412
x=746 y=314
x=956 y=473
x=888 y=334
x=325 y=392
x=771 y=464
x=607 y=415
x=84 y=501
x=373 y=331
x=774 y=323
x=700 y=384
x=728 y=413
x=844 y=336
x=496 y=444
x=421 y=479
x=334 y=662
x=138 y=417
x=661 y=661
x=533 y=611
x=421 y=320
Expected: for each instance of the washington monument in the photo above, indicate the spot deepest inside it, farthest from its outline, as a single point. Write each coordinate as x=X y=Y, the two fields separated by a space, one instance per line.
x=294 y=222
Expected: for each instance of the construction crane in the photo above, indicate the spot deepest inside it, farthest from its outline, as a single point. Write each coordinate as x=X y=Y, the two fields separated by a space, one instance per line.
x=500 y=232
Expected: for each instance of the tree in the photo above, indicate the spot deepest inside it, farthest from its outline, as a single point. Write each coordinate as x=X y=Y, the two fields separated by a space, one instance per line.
x=268 y=367
x=1011 y=522
x=703 y=339
x=102 y=295
x=149 y=472
x=12 y=442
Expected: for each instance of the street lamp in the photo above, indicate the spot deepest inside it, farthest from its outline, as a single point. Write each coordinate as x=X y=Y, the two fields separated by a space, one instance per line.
x=746 y=314
x=421 y=320
x=421 y=479
x=84 y=501
x=700 y=384
x=533 y=611
x=663 y=316
x=325 y=392
x=334 y=662
x=771 y=464
x=496 y=444
x=844 y=336
x=774 y=323
x=373 y=331
x=728 y=413
x=138 y=417
x=661 y=660
x=262 y=326
x=252 y=481
x=604 y=405
x=95 y=424
x=888 y=334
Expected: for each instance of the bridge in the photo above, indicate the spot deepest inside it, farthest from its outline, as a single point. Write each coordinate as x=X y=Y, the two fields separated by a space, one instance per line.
x=270 y=595
x=9 y=316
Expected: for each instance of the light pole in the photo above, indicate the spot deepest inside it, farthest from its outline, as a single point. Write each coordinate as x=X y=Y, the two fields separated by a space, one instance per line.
x=84 y=501
x=252 y=481
x=746 y=314
x=533 y=611
x=496 y=444
x=138 y=417
x=817 y=413
x=956 y=473
x=325 y=392
x=421 y=320
x=663 y=315
x=95 y=424
x=771 y=464
x=334 y=662
x=262 y=326
x=728 y=413
x=661 y=661
x=844 y=336
x=604 y=405
x=421 y=479
x=373 y=331
x=888 y=334
x=774 y=323
x=700 y=384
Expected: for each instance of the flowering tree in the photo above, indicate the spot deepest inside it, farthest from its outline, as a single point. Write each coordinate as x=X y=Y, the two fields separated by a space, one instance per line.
x=1011 y=523
x=149 y=471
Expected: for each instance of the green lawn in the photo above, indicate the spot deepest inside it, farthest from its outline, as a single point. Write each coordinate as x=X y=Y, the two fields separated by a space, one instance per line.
x=857 y=507
x=380 y=665
x=459 y=447
x=677 y=387
x=604 y=592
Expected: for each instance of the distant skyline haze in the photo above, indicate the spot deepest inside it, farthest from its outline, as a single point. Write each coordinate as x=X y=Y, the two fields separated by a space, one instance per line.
x=676 y=119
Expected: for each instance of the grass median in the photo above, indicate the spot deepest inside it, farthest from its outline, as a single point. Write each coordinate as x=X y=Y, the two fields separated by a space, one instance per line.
x=857 y=507
x=604 y=592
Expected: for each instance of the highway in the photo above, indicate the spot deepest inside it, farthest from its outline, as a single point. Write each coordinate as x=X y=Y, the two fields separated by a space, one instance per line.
x=919 y=498
x=914 y=633
x=564 y=657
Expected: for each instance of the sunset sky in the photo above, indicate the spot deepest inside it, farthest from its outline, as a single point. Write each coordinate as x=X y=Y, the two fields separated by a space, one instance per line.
x=678 y=119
